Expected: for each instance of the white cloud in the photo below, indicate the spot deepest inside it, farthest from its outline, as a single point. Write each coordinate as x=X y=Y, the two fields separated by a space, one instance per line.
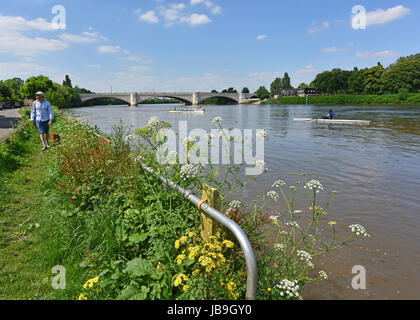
x=307 y=69
x=381 y=16
x=94 y=66
x=109 y=49
x=319 y=27
x=332 y=49
x=21 y=24
x=196 y=19
x=381 y=54
x=150 y=17
x=75 y=38
x=22 y=69
x=261 y=37
x=139 y=68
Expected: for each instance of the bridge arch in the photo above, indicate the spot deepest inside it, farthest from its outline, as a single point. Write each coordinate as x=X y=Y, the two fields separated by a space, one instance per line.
x=141 y=99
x=221 y=96
x=122 y=100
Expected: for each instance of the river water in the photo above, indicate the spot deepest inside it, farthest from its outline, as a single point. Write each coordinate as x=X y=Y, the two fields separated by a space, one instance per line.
x=375 y=169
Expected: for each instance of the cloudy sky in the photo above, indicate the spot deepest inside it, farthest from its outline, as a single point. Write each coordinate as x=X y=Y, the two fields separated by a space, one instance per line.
x=199 y=45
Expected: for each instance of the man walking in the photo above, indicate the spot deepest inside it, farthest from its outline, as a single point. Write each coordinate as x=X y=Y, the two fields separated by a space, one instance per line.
x=42 y=116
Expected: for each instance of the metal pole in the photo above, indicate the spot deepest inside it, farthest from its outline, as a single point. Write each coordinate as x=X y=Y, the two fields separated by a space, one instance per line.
x=252 y=276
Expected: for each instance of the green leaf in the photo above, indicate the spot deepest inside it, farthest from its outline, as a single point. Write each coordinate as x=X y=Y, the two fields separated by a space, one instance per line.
x=138 y=237
x=139 y=267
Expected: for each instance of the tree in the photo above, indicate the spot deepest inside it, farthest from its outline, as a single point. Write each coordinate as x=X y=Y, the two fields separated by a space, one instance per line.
x=245 y=90
x=303 y=86
x=286 y=82
x=214 y=91
x=34 y=84
x=372 y=82
x=230 y=90
x=276 y=87
x=356 y=81
x=405 y=74
x=263 y=93
x=67 y=81
x=63 y=96
x=4 y=91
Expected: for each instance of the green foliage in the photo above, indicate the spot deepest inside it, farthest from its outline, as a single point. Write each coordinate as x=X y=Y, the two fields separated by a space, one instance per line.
x=230 y=90
x=34 y=84
x=276 y=86
x=245 y=90
x=67 y=82
x=285 y=82
x=63 y=96
x=263 y=93
x=405 y=74
x=5 y=92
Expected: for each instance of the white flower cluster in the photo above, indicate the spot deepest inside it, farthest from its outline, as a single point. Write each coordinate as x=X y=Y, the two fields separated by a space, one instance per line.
x=153 y=122
x=293 y=224
x=314 y=185
x=140 y=158
x=129 y=138
x=278 y=246
x=261 y=164
x=234 y=204
x=216 y=121
x=304 y=256
x=273 y=195
x=189 y=171
x=358 y=230
x=288 y=289
x=262 y=134
x=278 y=184
x=323 y=275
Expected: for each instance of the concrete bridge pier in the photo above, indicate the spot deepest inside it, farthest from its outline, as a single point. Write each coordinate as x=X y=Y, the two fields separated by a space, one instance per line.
x=133 y=99
x=195 y=99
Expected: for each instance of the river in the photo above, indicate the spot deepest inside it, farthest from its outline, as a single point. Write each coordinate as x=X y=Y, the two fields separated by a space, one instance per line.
x=375 y=169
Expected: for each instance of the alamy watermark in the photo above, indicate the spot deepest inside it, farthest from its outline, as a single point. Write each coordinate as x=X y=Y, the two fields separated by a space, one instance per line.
x=59 y=20
x=59 y=280
x=359 y=281
x=359 y=17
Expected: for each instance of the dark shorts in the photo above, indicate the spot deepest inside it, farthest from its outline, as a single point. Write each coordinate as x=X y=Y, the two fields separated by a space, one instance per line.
x=43 y=127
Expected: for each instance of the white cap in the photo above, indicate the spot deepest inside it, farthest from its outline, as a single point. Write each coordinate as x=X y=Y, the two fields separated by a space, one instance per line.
x=40 y=93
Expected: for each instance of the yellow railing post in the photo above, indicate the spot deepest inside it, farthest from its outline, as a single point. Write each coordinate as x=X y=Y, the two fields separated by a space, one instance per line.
x=208 y=225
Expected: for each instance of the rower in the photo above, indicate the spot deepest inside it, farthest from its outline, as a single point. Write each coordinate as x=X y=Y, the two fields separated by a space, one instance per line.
x=330 y=115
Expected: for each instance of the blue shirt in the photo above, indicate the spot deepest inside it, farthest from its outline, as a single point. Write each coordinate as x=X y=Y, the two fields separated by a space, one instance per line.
x=331 y=115
x=42 y=111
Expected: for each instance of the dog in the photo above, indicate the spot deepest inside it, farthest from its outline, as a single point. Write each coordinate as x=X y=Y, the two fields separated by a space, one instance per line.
x=55 y=138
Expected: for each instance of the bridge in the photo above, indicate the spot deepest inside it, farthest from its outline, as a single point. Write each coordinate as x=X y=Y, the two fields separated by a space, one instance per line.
x=189 y=98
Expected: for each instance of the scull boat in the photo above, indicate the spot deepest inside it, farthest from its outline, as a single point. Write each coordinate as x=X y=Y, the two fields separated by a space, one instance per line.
x=334 y=121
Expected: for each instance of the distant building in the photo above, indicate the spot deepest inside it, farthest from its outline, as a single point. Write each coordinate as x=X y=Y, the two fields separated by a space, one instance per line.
x=303 y=92
x=289 y=92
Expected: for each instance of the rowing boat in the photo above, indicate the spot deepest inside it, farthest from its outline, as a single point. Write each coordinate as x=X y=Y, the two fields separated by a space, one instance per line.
x=187 y=111
x=334 y=121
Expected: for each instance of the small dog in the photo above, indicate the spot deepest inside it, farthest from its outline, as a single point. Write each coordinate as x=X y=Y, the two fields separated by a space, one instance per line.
x=55 y=138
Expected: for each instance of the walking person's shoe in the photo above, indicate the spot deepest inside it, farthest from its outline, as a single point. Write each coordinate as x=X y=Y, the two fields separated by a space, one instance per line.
x=44 y=148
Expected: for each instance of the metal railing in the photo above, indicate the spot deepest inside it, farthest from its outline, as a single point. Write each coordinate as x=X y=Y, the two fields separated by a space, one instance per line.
x=251 y=265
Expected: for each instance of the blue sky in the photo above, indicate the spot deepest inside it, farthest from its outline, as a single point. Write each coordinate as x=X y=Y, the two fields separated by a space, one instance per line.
x=199 y=45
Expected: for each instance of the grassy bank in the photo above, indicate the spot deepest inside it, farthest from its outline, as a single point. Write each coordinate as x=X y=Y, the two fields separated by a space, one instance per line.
x=119 y=233
x=412 y=99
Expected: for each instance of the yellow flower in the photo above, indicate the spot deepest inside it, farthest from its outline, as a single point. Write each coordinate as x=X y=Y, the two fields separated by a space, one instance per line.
x=228 y=244
x=195 y=272
x=178 y=279
x=193 y=252
x=177 y=244
x=268 y=289
x=89 y=284
x=180 y=258
x=82 y=296
x=276 y=265
x=182 y=240
x=231 y=286
x=191 y=234
x=185 y=288
x=332 y=223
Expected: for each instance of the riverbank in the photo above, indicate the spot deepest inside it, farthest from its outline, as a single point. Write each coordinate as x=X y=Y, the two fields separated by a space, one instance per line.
x=412 y=99
x=88 y=208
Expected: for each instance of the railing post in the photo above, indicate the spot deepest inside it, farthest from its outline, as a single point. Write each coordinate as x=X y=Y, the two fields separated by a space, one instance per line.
x=208 y=225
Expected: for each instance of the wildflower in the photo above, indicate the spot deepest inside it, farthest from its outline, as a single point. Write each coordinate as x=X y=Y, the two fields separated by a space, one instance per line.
x=261 y=164
x=216 y=121
x=314 y=185
x=177 y=244
x=278 y=184
x=228 y=244
x=274 y=218
x=185 y=288
x=231 y=286
x=195 y=272
x=273 y=195
x=304 y=256
x=288 y=288
x=180 y=258
x=358 y=230
x=82 y=296
x=262 y=134
x=189 y=171
x=182 y=240
x=332 y=223
x=129 y=138
x=89 y=284
x=193 y=252
x=293 y=224
x=234 y=204
x=278 y=246
x=323 y=275
x=153 y=122
x=178 y=279
x=269 y=289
